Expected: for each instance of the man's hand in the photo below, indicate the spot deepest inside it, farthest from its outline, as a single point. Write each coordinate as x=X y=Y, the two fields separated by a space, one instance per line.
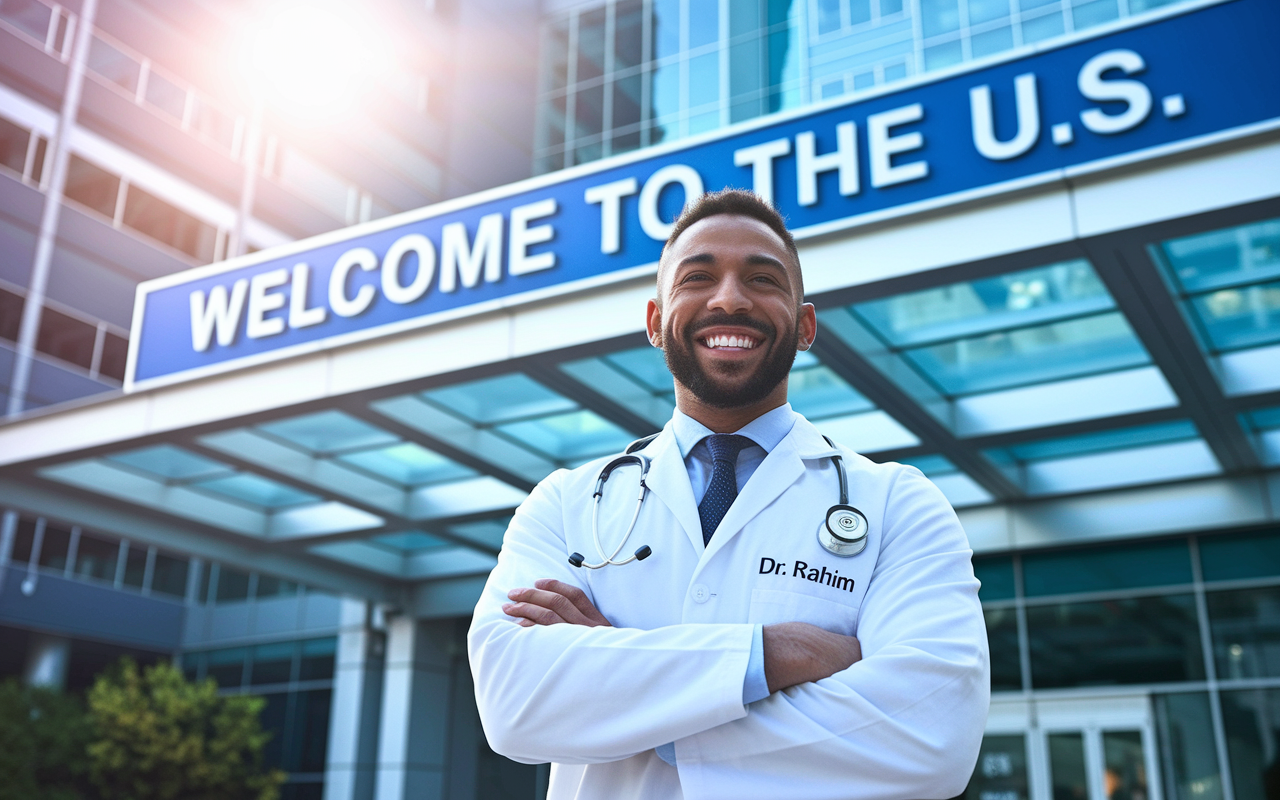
x=551 y=602
x=797 y=652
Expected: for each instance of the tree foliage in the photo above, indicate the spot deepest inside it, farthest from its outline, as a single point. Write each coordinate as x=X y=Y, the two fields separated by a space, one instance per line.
x=158 y=736
x=43 y=741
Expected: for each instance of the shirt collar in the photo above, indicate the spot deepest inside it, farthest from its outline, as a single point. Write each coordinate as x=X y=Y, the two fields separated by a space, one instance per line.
x=766 y=430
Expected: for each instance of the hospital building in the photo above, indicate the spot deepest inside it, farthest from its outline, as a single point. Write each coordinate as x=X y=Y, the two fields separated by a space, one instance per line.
x=298 y=302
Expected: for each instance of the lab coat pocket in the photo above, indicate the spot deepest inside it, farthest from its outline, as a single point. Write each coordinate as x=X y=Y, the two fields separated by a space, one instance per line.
x=770 y=606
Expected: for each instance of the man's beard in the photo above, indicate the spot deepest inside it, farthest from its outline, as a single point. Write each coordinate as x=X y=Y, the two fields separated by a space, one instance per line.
x=687 y=370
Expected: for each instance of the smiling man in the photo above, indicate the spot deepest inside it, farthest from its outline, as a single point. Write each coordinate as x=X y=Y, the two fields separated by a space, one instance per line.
x=754 y=653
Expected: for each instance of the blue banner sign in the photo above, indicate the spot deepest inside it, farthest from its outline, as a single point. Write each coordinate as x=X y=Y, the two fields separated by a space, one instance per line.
x=1132 y=91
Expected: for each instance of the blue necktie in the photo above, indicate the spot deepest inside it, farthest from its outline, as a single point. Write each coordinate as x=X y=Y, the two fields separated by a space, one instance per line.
x=723 y=488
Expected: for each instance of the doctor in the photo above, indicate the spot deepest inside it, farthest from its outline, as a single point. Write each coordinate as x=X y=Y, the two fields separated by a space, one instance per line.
x=741 y=659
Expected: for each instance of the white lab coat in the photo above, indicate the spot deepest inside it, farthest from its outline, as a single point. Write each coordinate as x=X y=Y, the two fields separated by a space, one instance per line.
x=904 y=723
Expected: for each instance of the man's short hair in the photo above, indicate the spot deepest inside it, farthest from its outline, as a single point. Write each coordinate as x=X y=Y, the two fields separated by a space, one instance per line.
x=735 y=202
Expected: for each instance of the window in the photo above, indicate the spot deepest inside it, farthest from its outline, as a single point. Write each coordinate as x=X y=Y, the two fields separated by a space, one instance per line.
x=1240 y=556
x=67 y=338
x=1002 y=638
x=1245 y=627
x=227 y=667
x=233 y=585
x=56 y=547
x=1001 y=771
x=96 y=558
x=1119 y=641
x=996 y=576
x=151 y=216
x=115 y=354
x=13 y=146
x=92 y=187
x=169 y=575
x=10 y=315
x=135 y=566
x=272 y=663
x=1103 y=569
x=317 y=659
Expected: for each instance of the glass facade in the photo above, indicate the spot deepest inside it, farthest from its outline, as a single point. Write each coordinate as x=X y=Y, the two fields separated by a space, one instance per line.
x=296 y=680
x=1193 y=623
x=624 y=74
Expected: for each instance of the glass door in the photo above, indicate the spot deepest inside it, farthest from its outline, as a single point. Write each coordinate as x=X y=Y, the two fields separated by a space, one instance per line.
x=1075 y=748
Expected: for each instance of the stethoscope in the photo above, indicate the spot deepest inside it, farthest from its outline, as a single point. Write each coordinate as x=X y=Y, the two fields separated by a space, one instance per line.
x=843 y=531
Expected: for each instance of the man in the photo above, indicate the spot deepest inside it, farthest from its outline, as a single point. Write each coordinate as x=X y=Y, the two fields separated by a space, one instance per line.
x=725 y=665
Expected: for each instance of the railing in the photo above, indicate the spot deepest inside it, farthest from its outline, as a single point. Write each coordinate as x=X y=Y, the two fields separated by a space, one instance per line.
x=41 y=24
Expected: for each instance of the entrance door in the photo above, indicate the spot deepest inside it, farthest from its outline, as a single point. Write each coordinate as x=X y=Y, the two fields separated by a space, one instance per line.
x=1100 y=748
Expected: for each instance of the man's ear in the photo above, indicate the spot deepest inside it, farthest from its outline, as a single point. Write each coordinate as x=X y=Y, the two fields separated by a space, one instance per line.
x=806 y=326
x=653 y=323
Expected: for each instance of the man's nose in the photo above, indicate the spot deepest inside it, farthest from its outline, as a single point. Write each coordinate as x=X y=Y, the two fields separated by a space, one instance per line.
x=730 y=296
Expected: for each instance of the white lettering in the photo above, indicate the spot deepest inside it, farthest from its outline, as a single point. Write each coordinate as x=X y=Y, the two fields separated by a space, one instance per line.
x=984 y=120
x=220 y=313
x=689 y=180
x=342 y=305
x=884 y=147
x=261 y=301
x=760 y=158
x=519 y=262
x=299 y=315
x=459 y=259
x=1133 y=93
x=809 y=165
x=397 y=292
x=609 y=196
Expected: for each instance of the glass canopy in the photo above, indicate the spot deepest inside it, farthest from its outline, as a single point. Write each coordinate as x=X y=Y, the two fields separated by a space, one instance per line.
x=1027 y=327
x=1228 y=282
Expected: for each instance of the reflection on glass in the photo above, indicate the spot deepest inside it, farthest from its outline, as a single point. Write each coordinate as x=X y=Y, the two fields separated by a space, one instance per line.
x=1230 y=257
x=113 y=64
x=254 y=490
x=328 y=431
x=1240 y=317
x=272 y=663
x=567 y=437
x=167 y=461
x=1124 y=774
x=1238 y=556
x=1252 y=722
x=1002 y=639
x=964 y=309
x=1031 y=355
x=410 y=541
x=1245 y=626
x=1110 y=567
x=1001 y=771
x=499 y=399
x=1120 y=641
x=1067 y=766
x=1189 y=756
x=996 y=575
x=408 y=464
x=817 y=393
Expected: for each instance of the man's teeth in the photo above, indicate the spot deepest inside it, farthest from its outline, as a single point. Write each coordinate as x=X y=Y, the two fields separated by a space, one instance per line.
x=730 y=341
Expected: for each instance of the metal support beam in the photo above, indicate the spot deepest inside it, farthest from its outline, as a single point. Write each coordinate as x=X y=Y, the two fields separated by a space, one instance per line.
x=889 y=397
x=546 y=373
x=1141 y=293
x=127 y=522
x=445 y=449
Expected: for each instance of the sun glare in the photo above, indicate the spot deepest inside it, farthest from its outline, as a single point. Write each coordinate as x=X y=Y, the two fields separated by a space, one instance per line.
x=311 y=61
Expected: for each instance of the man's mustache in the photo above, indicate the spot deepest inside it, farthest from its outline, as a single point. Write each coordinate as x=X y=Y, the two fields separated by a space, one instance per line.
x=736 y=320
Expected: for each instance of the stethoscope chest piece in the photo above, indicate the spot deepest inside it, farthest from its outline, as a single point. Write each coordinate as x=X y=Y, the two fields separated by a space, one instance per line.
x=844 y=532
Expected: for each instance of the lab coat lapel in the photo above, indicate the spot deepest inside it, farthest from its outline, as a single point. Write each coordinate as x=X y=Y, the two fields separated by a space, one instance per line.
x=779 y=470
x=669 y=482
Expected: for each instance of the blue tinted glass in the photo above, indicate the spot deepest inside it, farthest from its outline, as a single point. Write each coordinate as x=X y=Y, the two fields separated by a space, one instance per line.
x=931 y=465
x=410 y=541
x=963 y=310
x=1102 y=569
x=1245 y=316
x=1031 y=355
x=566 y=437
x=257 y=491
x=828 y=16
x=486 y=531
x=1238 y=556
x=408 y=464
x=645 y=365
x=167 y=461
x=996 y=575
x=1264 y=420
x=499 y=399
x=1104 y=440
x=704 y=22
x=1230 y=257
x=818 y=392
x=327 y=432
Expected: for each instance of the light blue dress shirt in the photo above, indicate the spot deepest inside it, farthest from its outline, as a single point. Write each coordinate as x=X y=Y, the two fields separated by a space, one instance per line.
x=766 y=430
